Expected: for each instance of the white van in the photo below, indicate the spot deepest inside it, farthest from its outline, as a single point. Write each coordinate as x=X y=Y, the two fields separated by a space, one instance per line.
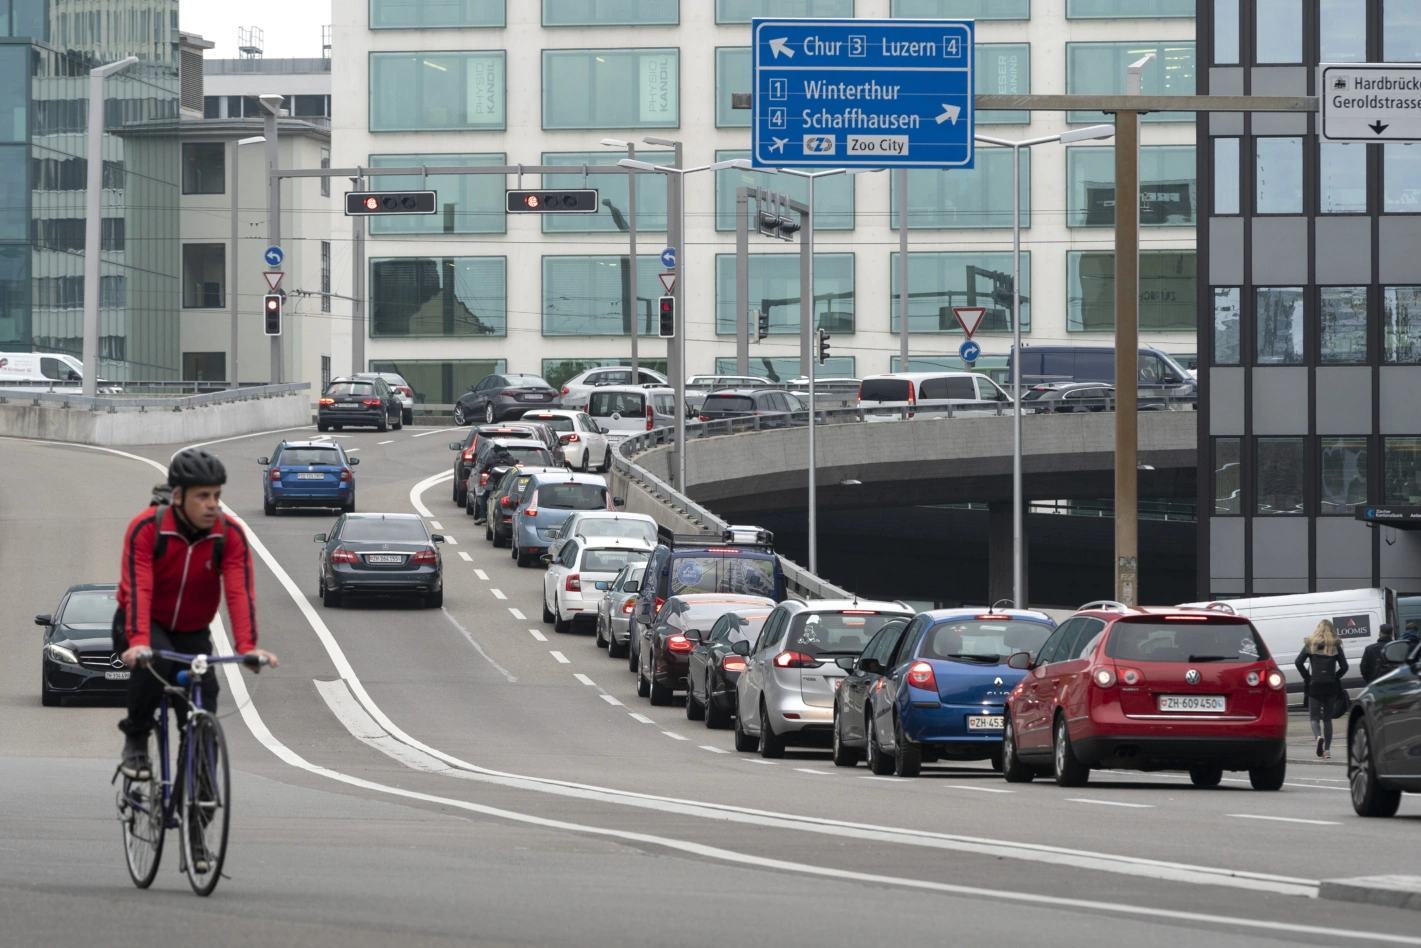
x=625 y=410
x=46 y=372
x=1286 y=621
x=928 y=394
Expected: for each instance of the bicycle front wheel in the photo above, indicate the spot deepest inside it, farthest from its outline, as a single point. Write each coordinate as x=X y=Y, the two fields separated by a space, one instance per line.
x=140 y=814
x=206 y=803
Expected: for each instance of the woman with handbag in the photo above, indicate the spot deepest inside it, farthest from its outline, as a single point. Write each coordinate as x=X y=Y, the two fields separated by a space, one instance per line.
x=1322 y=665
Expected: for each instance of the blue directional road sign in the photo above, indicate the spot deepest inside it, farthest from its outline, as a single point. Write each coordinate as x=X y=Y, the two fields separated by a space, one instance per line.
x=848 y=93
x=969 y=351
x=668 y=258
x=273 y=256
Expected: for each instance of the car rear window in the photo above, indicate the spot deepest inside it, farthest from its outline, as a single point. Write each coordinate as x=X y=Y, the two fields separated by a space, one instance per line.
x=526 y=381
x=743 y=628
x=492 y=432
x=664 y=404
x=610 y=561
x=723 y=573
x=404 y=530
x=625 y=403
x=573 y=496
x=953 y=386
x=530 y=454
x=309 y=456
x=834 y=633
x=358 y=389
x=730 y=403
x=699 y=615
x=1032 y=394
x=635 y=529
x=1185 y=641
x=555 y=422
x=94 y=607
x=983 y=641
x=884 y=390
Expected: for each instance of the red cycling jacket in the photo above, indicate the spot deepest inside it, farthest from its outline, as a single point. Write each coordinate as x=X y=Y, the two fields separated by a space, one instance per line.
x=181 y=591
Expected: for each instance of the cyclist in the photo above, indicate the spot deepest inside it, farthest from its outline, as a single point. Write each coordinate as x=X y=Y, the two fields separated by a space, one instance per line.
x=171 y=580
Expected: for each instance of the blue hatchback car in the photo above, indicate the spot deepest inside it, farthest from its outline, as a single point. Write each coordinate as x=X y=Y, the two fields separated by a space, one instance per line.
x=550 y=497
x=941 y=689
x=308 y=474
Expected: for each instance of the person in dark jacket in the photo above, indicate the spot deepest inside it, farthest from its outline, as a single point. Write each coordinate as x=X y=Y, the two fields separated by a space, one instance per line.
x=1410 y=634
x=498 y=457
x=1374 y=664
x=1322 y=665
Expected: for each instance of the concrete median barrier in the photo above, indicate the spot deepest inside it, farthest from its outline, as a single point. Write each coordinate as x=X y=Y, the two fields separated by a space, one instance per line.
x=156 y=421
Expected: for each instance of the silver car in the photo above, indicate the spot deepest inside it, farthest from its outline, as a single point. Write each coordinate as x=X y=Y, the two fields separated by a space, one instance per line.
x=786 y=693
x=614 y=611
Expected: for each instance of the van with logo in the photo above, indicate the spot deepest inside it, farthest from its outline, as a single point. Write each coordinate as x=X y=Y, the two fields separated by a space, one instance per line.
x=44 y=371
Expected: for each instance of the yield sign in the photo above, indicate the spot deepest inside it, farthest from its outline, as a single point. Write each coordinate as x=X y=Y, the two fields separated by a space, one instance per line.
x=969 y=317
x=273 y=278
x=668 y=280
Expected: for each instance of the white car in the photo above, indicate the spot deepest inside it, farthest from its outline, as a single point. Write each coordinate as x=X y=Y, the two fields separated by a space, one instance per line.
x=928 y=395
x=584 y=446
x=401 y=389
x=570 y=586
x=576 y=390
x=595 y=524
x=625 y=410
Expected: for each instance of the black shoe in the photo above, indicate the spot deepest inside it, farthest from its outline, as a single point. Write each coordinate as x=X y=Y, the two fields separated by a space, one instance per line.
x=135 y=765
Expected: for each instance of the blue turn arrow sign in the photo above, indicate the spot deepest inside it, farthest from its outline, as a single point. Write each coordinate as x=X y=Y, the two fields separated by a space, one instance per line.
x=969 y=351
x=862 y=93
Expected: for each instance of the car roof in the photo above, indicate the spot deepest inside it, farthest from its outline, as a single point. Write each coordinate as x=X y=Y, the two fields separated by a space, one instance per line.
x=840 y=605
x=563 y=476
x=648 y=387
x=968 y=612
x=615 y=543
x=612 y=515
x=309 y=444
x=91 y=587
x=553 y=412
x=693 y=598
x=516 y=443
x=741 y=391
x=919 y=376
x=382 y=516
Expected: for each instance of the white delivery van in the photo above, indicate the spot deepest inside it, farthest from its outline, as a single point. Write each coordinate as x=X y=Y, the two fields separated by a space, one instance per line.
x=1286 y=621
x=929 y=395
x=625 y=410
x=43 y=371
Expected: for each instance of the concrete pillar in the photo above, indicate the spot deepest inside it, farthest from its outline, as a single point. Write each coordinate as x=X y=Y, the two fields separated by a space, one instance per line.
x=999 y=558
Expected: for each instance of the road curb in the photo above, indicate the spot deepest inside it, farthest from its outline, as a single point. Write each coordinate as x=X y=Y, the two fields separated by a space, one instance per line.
x=1396 y=891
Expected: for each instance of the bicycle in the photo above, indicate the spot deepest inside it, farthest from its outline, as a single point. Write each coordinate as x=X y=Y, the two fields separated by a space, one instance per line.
x=196 y=799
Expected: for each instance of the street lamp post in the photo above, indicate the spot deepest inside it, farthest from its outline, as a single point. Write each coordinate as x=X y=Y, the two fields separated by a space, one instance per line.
x=631 y=260
x=680 y=340
x=93 y=228
x=1075 y=135
x=234 y=378
x=271 y=112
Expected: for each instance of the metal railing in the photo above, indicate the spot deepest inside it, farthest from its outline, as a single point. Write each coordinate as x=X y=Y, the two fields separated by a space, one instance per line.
x=113 y=403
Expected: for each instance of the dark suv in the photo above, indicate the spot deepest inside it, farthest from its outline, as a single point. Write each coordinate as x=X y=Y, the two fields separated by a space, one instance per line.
x=367 y=401
x=465 y=460
x=1384 y=734
x=503 y=397
x=773 y=406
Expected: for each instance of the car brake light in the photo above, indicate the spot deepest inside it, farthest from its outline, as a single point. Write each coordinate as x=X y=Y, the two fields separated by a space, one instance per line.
x=1253 y=678
x=341 y=555
x=532 y=509
x=629 y=606
x=1186 y=618
x=370 y=402
x=733 y=663
x=912 y=395
x=406 y=391
x=858 y=612
x=345 y=474
x=1131 y=676
x=564 y=389
x=509 y=392
x=702 y=418
x=611 y=507
x=659 y=603
x=1104 y=677
x=795 y=660
x=426 y=556
x=469 y=455
x=570 y=438
x=276 y=474
x=993 y=617
x=1275 y=680
x=921 y=676
x=508 y=501
x=649 y=416
x=720 y=549
x=328 y=401
x=860 y=395
x=483 y=479
x=679 y=643
x=573 y=583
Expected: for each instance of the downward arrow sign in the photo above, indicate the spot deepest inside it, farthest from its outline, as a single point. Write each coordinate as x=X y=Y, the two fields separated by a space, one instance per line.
x=949 y=114
x=1378 y=127
x=778 y=46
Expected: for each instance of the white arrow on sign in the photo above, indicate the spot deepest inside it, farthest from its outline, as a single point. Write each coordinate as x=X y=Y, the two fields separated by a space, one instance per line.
x=273 y=278
x=949 y=114
x=668 y=280
x=969 y=317
x=778 y=46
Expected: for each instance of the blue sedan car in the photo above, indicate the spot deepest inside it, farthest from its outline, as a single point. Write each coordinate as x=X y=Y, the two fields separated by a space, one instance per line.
x=308 y=474
x=550 y=497
x=934 y=689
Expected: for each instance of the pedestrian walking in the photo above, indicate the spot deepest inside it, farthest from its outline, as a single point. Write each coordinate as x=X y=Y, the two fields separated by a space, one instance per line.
x=1322 y=665
x=1410 y=633
x=1374 y=664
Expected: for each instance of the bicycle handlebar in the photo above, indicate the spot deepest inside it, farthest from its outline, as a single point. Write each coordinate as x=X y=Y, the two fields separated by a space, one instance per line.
x=252 y=661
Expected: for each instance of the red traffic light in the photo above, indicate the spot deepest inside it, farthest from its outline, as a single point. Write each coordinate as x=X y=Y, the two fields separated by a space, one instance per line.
x=273 y=303
x=531 y=201
x=372 y=204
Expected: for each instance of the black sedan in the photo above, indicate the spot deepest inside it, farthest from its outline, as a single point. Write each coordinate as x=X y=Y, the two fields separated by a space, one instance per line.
x=468 y=449
x=382 y=555
x=773 y=407
x=852 y=699
x=1068 y=397
x=664 y=652
x=78 y=646
x=1384 y=735
x=368 y=402
x=503 y=397
x=714 y=668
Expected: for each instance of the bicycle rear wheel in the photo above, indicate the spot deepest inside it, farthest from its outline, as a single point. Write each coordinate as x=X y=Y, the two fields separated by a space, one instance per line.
x=206 y=804
x=140 y=814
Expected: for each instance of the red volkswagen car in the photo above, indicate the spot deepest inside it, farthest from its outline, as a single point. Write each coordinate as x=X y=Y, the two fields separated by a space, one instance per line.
x=1148 y=689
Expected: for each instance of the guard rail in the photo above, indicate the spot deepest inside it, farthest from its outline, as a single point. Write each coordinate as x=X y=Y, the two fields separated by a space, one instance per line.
x=113 y=403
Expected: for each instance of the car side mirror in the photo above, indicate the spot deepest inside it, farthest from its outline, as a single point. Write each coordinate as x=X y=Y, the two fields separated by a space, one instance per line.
x=1021 y=661
x=603 y=585
x=693 y=635
x=846 y=663
x=549 y=559
x=353 y=461
x=437 y=537
x=263 y=461
x=870 y=666
x=455 y=445
x=319 y=538
x=741 y=648
x=642 y=618
x=631 y=586
x=619 y=501
x=605 y=430
x=44 y=620
x=1396 y=653
x=472 y=387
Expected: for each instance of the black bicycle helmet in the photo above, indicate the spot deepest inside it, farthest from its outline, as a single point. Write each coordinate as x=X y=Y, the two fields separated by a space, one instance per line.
x=196 y=468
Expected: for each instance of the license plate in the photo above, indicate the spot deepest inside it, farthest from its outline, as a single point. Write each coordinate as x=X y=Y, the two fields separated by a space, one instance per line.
x=383 y=558
x=1207 y=703
x=310 y=477
x=338 y=405
x=533 y=398
x=984 y=722
x=117 y=675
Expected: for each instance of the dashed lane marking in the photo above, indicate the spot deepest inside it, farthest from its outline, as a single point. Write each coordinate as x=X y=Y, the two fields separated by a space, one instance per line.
x=642 y=718
x=767 y=763
x=562 y=659
x=384 y=442
x=538 y=635
x=966 y=786
x=612 y=701
x=478 y=572
x=426 y=434
x=518 y=615
x=451 y=540
x=1283 y=819
x=673 y=734
x=436 y=524
x=498 y=594
x=811 y=770
x=466 y=557
x=713 y=749
x=1133 y=806
x=585 y=680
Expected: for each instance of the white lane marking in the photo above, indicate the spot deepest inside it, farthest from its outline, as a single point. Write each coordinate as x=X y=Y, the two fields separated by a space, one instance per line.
x=968 y=786
x=562 y=659
x=713 y=749
x=451 y=541
x=417 y=490
x=344 y=706
x=436 y=524
x=811 y=770
x=673 y=734
x=384 y=442
x=873 y=777
x=477 y=647
x=426 y=434
x=585 y=680
x=518 y=615
x=262 y=434
x=1283 y=819
x=1127 y=776
x=1136 y=806
x=642 y=718
x=321 y=438
x=767 y=763
x=465 y=557
x=353 y=450
x=610 y=700
x=498 y=594
x=478 y=572
x=538 y=635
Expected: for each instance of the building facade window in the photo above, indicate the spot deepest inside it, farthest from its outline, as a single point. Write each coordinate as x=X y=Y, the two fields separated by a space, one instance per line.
x=325 y=276
x=962 y=9
x=732 y=74
x=1099 y=69
x=1279 y=467
x=1278 y=171
x=975 y=198
x=1002 y=69
x=1342 y=178
x=775 y=290
x=1342 y=324
x=1402 y=470
x=743 y=11
x=833 y=195
x=1132 y=9
x=1228 y=477
x=468 y=203
x=1168 y=291
x=204 y=168
x=1169 y=188
x=204 y=366
x=611 y=12
x=438 y=296
x=325 y=372
x=592 y=296
x=1226 y=175
x=1343 y=481
x=1228 y=349
x=1279 y=325
x=1226 y=26
x=557 y=371
x=1278 y=27
x=14 y=192
x=437 y=91
x=611 y=88
x=612 y=193
x=1401 y=31
x=784 y=368
x=435 y=14
x=204 y=276
x=440 y=381
x=1401 y=178
x=1342 y=30
x=14 y=94
x=15 y=299
x=939 y=281
x=325 y=163
x=1401 y=324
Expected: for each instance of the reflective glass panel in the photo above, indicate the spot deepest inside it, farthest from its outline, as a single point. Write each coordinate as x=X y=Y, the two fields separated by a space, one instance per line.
x=436 y=91
x=465 y=203
x=1280 y=325
x=963 y=9
x=1342 y=178
x=1280 y=476
x=1278 y=26
x=611 y=12
x=1228 y=478
x=939 y=281
x=591 y=296
x=1401 y=323
x=1225 y=31
x=438 y=296
x=1168 y=186
x=434 y=14
x=1227 y=325
x=1110 y=9
x=1002 y=69
x=774 y=289
x=1402 y=470
x=1099 y=68
x=1168 y=295
x=611 y=88
x=1343 y=485
x=1226 y=175
x=1342 y=323
x=1342 y=30
x=1401 y=31
x=742 y=11
x=978 y=197
x=833 y=194
x=732 y=74
x=1279 y=173
x=612 y=194
x=1401 y=176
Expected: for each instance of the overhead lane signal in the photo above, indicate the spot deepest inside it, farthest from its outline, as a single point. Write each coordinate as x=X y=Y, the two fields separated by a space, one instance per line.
x=368 y=203
x=541 y=201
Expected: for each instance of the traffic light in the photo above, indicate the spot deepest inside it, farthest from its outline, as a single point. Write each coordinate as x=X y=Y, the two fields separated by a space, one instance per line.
x=271 y=314
x=666 y=306
x=367 y=203
x=576 y=201
x=762 y=325
x=823 y=346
